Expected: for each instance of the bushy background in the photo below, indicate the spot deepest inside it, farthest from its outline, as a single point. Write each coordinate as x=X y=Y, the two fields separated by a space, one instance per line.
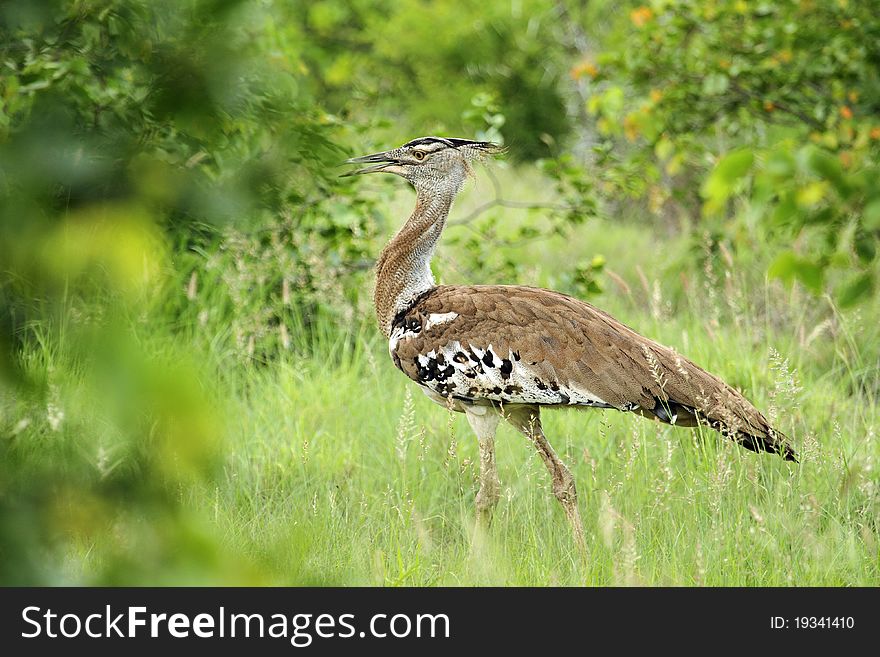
x=191 y=385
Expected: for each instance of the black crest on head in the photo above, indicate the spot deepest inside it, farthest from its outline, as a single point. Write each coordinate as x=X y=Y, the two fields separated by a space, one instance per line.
x=452 y=142
x=456 y=143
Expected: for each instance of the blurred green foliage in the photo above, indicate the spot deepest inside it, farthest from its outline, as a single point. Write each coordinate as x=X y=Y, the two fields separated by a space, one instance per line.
x=127 y=123
x=420 y=63
x=765 y=114
x=132 y=132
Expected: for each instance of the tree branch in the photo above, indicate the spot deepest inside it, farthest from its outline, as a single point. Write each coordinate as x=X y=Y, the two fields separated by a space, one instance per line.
x=505 y=203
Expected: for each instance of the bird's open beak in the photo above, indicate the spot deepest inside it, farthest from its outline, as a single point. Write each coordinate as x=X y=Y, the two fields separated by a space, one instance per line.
x=382 y=160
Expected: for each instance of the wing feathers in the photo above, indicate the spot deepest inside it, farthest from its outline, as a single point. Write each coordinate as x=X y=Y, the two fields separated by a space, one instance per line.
x=564 y=351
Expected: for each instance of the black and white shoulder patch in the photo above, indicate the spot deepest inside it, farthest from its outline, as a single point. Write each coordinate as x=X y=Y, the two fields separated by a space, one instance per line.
x=473 y=373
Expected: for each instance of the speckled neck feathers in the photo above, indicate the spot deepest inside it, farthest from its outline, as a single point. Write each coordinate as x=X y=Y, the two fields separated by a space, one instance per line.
x=403 y=271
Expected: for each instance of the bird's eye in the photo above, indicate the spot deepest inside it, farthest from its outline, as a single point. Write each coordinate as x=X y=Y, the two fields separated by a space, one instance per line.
x=419 y=155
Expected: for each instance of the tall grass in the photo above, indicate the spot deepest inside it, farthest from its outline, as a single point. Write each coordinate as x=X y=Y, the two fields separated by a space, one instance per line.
x=324 y=465
x=341 y=474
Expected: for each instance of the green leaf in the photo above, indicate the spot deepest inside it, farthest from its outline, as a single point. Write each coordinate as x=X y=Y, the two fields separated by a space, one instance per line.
x=866 y=247
x=811 y=193
x=664 y=149
x=720 y=183
x=856 y=290
x=824 y=165
x=871 y=215
x=788 y=267
x=780 y=165
x=785 y=210
x=715 y=84
x=734 y=166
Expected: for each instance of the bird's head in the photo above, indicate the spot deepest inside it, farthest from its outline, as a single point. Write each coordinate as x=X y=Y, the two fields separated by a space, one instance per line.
x=430 y=164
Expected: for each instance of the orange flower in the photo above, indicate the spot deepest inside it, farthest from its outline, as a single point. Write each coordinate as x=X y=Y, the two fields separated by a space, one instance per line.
x=641 y=15
x=631 y=127
x=875 y=132
x=846 y=112
x=846 y=159
x=584 y=68
x=769 y=106
x=656 y=95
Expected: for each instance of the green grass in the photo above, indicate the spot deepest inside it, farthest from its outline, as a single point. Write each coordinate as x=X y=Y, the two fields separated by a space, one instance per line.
x=328 y=467
x=344 y=473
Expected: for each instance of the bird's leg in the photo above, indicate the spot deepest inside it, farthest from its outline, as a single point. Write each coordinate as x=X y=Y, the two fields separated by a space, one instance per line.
x=484 y=421
x=527 y=420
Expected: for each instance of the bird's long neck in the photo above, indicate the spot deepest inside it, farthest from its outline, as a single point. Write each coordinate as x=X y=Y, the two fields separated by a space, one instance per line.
x=403 y=271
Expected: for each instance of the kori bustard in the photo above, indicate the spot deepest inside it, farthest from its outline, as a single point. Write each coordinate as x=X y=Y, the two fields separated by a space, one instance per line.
x=505 y=351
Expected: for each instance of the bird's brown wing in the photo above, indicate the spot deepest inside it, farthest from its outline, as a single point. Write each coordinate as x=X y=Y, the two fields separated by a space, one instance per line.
x=523 y=345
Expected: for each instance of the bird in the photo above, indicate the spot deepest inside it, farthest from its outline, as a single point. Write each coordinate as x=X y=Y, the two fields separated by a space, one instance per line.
x=506 y=352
